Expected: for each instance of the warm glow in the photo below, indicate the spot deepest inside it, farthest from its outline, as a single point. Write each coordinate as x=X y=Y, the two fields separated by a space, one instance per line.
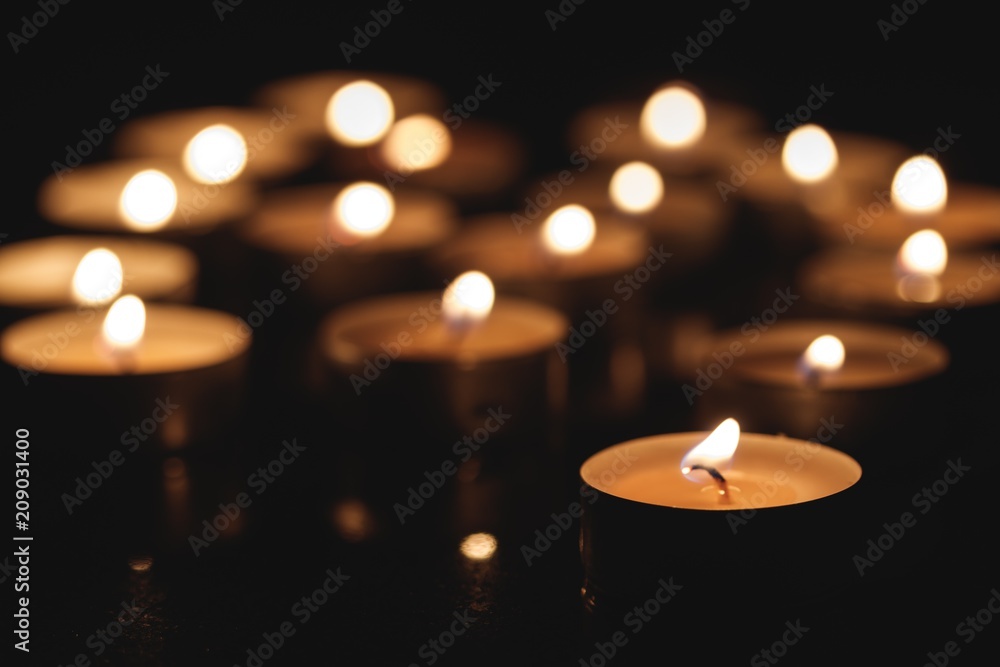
x=919 y=186
x=362 y=210
x=636 y=187
x=468 y=299
x=478 y=546
x=673 y=118
x=217 y=154
x=98 y=278
x=125 y=322
x=825 y=355
x=569 y=230
x=359 y=114
x=924 y=253
x=418 y=142
x=715 y=451
x=809 y=154
x=148 y=200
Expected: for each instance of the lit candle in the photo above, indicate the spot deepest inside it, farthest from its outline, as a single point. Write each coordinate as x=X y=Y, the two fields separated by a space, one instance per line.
x=675 y=129
x=797 y=376
x=350 y=239
x=60 y=271
x=140 y=196
x=218 y=144
x=78 y=362
x=707 y=508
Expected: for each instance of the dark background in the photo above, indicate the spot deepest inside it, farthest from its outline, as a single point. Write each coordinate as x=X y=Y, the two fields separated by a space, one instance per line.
x=936 y=71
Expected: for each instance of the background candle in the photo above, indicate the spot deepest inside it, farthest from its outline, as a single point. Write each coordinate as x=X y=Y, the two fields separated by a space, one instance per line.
x=786 y=536
x=37 y=274
x=272 y=147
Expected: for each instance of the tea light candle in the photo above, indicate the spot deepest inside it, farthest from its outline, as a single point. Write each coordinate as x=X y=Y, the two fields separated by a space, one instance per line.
x=654 y=508
x=77 y=362
x=38 y=274
x=387 y=235
x=140 y=196
x=219 y=143
x=804 y=377
x=675 y=129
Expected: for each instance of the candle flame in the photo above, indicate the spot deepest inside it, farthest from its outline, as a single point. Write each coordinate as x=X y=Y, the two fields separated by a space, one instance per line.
x=418 y=142
x=479 y=546
x=468 y=299
x=148 y=200
x=673 y=117
x=824 y=355
x=98 y=278
x=217 y=154
x=919 y=186
x=715 y=451
x=809 y=154
x=125 y=323
x=359 y=113
x=569 y=230
x=636 y=187
x=924 y=253
x=360 y=211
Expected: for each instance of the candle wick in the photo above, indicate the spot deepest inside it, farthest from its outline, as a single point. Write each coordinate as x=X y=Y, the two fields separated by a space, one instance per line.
x=719 y=480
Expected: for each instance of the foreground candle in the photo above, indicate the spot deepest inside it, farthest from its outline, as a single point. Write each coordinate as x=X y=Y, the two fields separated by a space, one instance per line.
x=653 y=508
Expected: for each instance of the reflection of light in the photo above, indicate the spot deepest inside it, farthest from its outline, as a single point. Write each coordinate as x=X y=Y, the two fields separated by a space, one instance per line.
x=479 y=546
x=360 y=211
x=140 y=563
x=809 y=154
x=217 y=154
x=359 y=114
x=125 y=322
x=174 y=468
x=569 y=230
x=98 y=277
x=636 y=187
x=418 y=142
x=673 y=118
x=148 y=200
x=825 y=354
x=919 y=186
x=353 y=520
x=715 y=451
x=468 y=299
x=924 y=252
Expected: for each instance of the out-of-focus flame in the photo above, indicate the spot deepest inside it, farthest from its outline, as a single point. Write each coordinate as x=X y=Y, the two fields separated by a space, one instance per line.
x=148 y=200
x=716 y=451
x=924 y=253
x=569 y=230
x=809 y=154
x=673 y=117
x=217 y=154
x=919 y=186
x=417 y=142
x=636 y=187
x=824 y=355
x=359 y=113
x=468 y=300
x=125 y=323
x=361 y=211
x=98 y=278
x=478 y=546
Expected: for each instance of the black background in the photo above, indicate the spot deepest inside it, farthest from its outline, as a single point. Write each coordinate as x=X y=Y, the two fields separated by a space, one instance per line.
x=936 y=71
